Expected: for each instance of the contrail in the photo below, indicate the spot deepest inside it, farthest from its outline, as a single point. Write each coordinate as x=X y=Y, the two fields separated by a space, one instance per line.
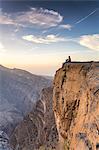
x=79 y=21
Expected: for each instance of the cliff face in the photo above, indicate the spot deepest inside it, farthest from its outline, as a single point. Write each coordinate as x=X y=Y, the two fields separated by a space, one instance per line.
x=38 y=129
x=76 y=105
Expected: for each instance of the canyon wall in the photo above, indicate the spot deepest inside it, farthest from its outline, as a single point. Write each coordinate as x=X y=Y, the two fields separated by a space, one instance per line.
x=19 y=91
x=38 y=129
x=76 y=105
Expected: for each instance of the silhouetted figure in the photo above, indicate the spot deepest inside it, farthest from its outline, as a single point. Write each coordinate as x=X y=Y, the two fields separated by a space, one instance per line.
x=69 y=59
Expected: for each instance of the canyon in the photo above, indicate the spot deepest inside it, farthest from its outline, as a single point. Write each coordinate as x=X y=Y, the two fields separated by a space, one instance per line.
x=19 y=91
x=65 y=115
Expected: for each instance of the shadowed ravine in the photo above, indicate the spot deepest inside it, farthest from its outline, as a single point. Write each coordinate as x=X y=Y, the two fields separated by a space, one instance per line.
x=38 y=128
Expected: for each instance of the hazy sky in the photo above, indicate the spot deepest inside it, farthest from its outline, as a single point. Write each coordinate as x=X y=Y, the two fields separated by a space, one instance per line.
x=39 y=35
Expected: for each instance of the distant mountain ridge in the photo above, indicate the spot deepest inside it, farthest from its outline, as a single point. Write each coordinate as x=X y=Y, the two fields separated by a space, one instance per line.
x=19 y=90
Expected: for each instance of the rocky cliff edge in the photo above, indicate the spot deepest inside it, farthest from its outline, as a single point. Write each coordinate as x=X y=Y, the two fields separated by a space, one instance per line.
x=76 y=105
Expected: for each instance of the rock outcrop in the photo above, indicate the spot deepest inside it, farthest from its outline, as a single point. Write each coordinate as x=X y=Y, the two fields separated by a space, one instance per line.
x=76 y=105
x=38 y=129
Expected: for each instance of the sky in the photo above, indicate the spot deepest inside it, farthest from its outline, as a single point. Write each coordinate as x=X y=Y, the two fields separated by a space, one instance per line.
x=39 y=35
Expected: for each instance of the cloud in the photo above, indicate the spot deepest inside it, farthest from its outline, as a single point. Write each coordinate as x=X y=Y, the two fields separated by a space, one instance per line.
x=39 y=17
x=90 y=41
x=44 y=40
x=66 y=26
x=5 y=19
x=1 y=46
x=2 y=49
